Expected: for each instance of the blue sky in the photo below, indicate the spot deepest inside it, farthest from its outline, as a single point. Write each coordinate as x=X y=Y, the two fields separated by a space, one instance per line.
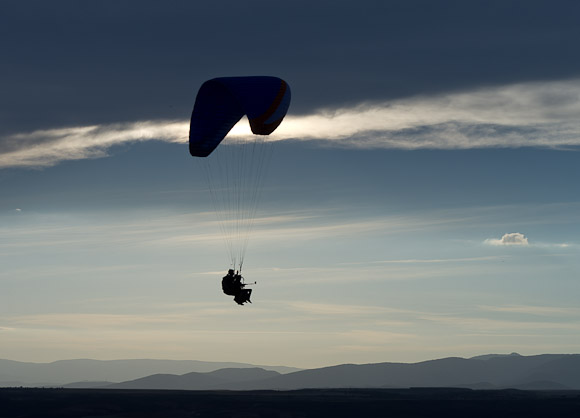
x=421 y=200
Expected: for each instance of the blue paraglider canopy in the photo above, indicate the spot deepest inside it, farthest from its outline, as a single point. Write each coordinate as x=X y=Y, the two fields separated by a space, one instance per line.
x=236 y=169
x=222 y=102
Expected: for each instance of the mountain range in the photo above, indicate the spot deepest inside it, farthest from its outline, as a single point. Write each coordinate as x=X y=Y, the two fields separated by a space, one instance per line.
x=493 y=371
x=98 y=372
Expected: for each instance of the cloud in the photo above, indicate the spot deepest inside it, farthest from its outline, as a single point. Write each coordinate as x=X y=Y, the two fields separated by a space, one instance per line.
x=429 y=261
x=151 y=230
x=316 y=309
x=535 y=310
x=46 y=148
x=532 y=114
x=484 y=325
x=512 y=116
x=513 y=238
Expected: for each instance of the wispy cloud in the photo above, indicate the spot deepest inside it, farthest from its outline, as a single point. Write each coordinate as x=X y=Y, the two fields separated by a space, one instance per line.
x=521 y=115
x=430 y=261
x=532 y=114
x=484 y=325
x=535 y=310
x=48 y=147
x=152 y=228
x=311 y=308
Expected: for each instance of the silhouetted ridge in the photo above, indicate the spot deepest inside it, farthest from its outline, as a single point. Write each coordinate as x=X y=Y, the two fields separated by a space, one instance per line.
x=196 y=381
x=547 y=371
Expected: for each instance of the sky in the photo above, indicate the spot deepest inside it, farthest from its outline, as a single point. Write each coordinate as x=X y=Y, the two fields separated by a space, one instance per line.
x=421 y=201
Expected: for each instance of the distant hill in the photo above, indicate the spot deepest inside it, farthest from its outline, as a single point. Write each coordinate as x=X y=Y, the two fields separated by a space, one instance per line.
x=541 y=372
x=86 y=385
x=547 y=372
x=84 y=371
x=489 y=356
x=197 y=381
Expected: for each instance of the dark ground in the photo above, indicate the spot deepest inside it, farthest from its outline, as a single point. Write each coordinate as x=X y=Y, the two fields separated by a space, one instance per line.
x=93 y=403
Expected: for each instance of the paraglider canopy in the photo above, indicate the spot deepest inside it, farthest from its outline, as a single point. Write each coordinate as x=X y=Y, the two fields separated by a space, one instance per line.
x=235 y=171
x=222 y=102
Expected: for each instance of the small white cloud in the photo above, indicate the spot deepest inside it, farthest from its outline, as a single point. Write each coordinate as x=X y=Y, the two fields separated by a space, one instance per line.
x=513 y=238
x=18 y=210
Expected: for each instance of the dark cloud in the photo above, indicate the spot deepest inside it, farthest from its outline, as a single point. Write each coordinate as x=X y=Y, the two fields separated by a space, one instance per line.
x=76 y=63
